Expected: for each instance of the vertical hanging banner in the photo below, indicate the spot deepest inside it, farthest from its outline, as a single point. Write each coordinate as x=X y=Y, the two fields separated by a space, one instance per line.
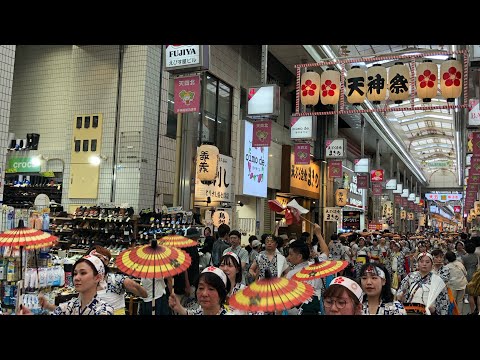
x=187 y=94
x=475 y=166
x=476 y=143
x=335 y=169
x=377 y=188
x=262 y=133
x=362 y=181
x=302 y=154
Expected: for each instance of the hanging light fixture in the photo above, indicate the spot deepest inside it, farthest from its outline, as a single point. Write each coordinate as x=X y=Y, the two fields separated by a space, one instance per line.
x=207 y=163
x=451 y=79
x=398 y=82
x=427 y=80
x=355 y=85
x=310 y=88
x=376 y=83
x=330 y=86
x=341 y=197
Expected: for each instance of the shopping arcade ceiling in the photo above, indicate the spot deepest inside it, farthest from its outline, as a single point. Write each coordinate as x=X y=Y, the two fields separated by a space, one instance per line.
x=428 y=136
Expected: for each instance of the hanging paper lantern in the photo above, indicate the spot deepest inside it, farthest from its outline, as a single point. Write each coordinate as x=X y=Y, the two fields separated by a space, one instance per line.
x=398 y=82
x=427 y=80
x=476 y=205
x=341 y=197
x=451 y=79
x=330 y=87
x=469 y=218
x=310 y=82
x=355 y=85
x=207 y=163
x=376 y=83
x=473 y=215
x=403 y=214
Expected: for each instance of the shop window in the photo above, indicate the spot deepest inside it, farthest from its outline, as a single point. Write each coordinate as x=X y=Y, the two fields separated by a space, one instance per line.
x=216 y=122
x=171 y=116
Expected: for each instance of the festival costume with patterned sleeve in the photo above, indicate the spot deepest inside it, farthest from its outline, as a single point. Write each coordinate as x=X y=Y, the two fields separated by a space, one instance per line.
x=73 y=307
x=421 y=291
x=390 y=308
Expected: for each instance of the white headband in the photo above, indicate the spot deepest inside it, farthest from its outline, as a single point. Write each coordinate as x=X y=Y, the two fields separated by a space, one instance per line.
x=232 y=254
x=101 y=256
x=374 y=271
x=218 y=272
x=349 y=284
x=97 y=263
x=425 y=254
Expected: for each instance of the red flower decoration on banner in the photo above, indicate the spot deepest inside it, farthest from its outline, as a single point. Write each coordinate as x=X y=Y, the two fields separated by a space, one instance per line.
x=328 y=89
x=427 y=79
x=452 y=77
x=308 y=88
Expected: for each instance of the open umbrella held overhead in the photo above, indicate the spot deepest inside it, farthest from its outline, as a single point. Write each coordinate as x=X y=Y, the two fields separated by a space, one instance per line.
x=271 y=294
x=320 y=270
x=153 y=261
x=29 y=239
x=178 y=241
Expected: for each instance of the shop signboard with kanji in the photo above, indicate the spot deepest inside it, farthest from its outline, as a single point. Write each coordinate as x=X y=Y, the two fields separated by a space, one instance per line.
x=336 y=148
x=221 y=189
x=304 y=179
x=332 y=213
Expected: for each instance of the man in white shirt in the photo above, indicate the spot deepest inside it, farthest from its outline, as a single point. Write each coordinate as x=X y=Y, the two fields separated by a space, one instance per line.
x=235 y=239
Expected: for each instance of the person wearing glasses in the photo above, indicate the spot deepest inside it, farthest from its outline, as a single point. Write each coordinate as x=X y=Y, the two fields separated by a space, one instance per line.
x=343 y=297
x=378 y=298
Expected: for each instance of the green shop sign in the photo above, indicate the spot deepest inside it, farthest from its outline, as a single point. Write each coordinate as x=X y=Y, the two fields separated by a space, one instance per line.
x=22 y=165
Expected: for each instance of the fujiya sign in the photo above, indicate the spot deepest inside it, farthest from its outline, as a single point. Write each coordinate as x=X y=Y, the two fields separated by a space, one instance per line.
x=186 y=57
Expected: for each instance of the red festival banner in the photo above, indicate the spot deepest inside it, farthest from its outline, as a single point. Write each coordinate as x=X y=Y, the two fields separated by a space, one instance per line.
x=302 y=154
x=262 y=134
x=362 y=181
x=187 y=94
x=335 y=169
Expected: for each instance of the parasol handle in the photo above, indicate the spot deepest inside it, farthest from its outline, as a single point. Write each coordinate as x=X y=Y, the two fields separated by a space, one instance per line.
x=307 y=220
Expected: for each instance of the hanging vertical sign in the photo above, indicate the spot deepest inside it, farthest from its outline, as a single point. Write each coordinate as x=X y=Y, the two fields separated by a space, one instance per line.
x=262 y=133
x=302 y=154
x=473 y=112
x=475 y=166
x=377 y=188
x=335 y=169
x=187 y=92
x=335 y=148
x=476 y=143
x=362 y=181
x=303 y=127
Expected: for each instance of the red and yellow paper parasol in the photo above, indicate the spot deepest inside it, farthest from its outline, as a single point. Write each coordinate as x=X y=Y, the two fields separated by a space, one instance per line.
x=153 y=261
x=320 y=270
x=22 y=236
x=178 y=241
x=271 y=294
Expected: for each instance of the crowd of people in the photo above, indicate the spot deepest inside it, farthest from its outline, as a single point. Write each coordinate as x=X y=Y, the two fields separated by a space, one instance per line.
x=386 y=274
